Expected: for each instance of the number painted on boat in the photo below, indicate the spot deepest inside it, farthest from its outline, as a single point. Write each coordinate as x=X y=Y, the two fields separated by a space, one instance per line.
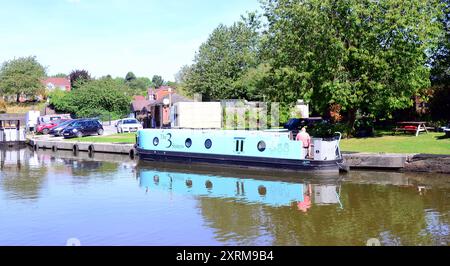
x=169 y=140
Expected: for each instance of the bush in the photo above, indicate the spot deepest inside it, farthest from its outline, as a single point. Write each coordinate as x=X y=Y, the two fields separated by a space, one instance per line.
x=95 y=98
x=364 y=127
x=327 y=130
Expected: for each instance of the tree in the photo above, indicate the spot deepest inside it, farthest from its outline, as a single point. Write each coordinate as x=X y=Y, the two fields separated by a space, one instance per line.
x=136 y=86
x=22 y=76
x=60 y=75
x=182 y=74
x=130 y=77
x=78 y=78
x=98 y=97
x=223 y=59
x=440 y=72
x=157 y=81
x=366 y=56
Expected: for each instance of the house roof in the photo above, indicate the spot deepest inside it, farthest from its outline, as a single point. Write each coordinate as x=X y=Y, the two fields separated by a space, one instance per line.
x=138 y=98
x=152 y=90
x=175 y=99
x=138 y=105
x=59 y=82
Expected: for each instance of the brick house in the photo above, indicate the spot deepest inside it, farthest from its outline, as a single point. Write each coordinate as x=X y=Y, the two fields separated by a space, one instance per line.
x=57 y=83
x=160 y=93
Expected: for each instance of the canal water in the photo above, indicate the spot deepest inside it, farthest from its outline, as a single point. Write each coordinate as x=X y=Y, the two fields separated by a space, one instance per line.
x=47 y=198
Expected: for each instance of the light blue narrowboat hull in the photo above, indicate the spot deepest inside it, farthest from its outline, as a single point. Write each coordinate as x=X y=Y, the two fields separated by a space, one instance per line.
x=256 y=149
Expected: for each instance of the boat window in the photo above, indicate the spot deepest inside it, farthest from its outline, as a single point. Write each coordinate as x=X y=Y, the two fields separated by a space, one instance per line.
x=262 y=190
x=155 y=141
x=208 y=184
x=242 y=145
x=261 y=146
x=189 y=183
x=188 y=143
x=208 y=144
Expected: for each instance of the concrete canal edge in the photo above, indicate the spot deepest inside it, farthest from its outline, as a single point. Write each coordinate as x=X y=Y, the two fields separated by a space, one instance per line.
x=399 y=162
x=378 y=161
x=78 y=146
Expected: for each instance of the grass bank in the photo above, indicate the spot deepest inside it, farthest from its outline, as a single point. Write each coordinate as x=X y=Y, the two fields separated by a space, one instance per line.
x=431 y=143
x=117 y=138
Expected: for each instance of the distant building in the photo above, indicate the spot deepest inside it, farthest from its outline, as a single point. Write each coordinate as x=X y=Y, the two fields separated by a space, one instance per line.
x=159 y=93
x=139 y=98
x=57 y=83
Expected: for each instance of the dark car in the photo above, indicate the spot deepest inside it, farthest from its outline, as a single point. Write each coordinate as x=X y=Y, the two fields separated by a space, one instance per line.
x=298 y=123
x=83 y=128
x=57 y=131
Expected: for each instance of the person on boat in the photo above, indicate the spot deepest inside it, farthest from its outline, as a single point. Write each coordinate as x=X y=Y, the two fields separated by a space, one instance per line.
x=305 y=138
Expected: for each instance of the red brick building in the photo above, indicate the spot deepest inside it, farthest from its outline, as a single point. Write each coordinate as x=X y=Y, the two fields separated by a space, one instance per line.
x=57 y=83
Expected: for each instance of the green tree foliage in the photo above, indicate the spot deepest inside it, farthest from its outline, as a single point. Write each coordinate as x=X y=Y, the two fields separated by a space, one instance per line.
x=136 y=85
x=78 y=78
x=22 y=76
x=364 y=55
x=440 y=72
x=130 y=77
x=60 y=75
x=97 y=97
x=157 y=81
x=223 y=59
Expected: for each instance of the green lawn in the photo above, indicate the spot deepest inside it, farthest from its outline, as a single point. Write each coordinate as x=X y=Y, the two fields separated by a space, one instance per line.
x=431 y=143
x=117 y=138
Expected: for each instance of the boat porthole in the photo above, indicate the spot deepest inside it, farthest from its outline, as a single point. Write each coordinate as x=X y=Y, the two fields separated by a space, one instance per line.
x=189 y=183
x=188 y=143
x=155 y=141
x=156 y=179
x=208 y=184
x=261 y=146
x=262 y=190
x=208 y=144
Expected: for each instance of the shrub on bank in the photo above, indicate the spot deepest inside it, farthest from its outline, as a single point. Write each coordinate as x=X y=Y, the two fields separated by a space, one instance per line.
x=102 y=97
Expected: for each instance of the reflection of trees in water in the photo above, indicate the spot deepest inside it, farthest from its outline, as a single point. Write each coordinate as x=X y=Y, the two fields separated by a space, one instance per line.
x=234 y=221
x=396 y=215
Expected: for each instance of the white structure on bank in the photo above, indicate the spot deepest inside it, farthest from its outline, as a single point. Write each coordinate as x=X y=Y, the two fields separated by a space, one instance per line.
x=302 y=109
x=196 y=115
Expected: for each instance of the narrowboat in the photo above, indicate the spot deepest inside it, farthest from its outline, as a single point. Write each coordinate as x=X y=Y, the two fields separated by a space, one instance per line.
x=239 y=148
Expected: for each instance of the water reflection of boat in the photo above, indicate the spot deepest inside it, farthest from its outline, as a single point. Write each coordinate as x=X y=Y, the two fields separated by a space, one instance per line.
x=245 y=189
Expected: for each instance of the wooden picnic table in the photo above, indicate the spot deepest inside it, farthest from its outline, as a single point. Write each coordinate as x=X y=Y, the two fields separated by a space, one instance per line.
x=411 y=126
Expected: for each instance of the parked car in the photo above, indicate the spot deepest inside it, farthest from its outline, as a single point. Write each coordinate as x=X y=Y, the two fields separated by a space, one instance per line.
x=83 y=128
x=45 y=119
x=45 y=128
x=57 y=131
x=298 y=123
x=128 y=125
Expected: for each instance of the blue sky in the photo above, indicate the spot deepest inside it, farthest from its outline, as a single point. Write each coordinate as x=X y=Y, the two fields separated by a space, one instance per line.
x=113 y=36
